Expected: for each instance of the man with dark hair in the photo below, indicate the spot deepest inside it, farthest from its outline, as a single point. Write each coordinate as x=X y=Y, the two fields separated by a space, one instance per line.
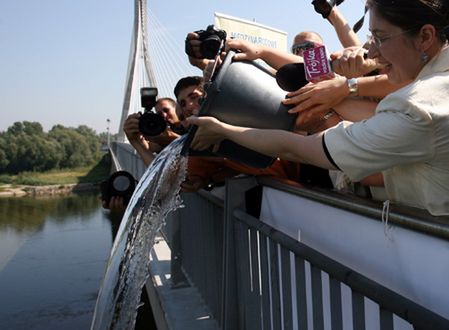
x=188 y=91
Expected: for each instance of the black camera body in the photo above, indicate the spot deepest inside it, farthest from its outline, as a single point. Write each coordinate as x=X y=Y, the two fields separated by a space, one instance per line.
x=324 y=7
x=150 y=123
x=121 y=184
x=212 y=39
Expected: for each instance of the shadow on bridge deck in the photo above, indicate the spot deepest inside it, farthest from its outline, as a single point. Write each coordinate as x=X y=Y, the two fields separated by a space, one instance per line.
x=174 y=307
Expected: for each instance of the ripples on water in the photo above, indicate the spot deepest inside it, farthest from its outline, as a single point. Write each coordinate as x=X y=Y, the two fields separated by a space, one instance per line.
x=53 y=251
x=128 y=267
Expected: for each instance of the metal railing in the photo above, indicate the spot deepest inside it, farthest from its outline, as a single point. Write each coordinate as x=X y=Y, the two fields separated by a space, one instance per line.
x=195 y=236
x=252 y=276
x=260 y=243
x=124 y=157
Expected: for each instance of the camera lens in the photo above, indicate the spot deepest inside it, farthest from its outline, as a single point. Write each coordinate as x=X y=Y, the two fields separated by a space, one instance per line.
x=151 y=124
x=120 y=183
x=210 y=46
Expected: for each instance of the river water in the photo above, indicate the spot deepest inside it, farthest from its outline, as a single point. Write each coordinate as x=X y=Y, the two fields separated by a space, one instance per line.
x=53 y=254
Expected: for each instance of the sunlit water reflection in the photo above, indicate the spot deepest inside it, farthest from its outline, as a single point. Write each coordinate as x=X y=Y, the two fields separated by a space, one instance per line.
x=53 y=253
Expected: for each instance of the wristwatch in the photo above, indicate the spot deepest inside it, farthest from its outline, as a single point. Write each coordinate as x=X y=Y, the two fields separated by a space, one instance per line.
x=353 y=86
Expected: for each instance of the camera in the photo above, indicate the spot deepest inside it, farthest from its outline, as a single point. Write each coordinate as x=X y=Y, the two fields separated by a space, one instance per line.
x=121 y=184
x=212 y=39
x=150 y=123
x=324 y=7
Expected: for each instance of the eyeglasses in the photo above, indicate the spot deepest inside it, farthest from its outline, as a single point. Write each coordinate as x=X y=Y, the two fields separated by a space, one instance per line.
x=378 y=41
x=297 y=48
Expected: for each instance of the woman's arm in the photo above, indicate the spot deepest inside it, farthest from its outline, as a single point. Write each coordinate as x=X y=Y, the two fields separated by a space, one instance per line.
x=318 y=98
x=275 y=143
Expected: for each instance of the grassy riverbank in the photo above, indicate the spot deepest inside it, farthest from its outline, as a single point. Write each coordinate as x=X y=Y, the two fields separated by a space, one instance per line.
x=90 y=174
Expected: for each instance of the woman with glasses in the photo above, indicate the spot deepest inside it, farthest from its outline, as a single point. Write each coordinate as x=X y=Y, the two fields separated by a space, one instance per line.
x=408 y=137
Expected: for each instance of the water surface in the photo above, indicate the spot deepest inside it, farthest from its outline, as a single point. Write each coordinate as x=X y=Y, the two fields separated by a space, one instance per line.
x=53 y=253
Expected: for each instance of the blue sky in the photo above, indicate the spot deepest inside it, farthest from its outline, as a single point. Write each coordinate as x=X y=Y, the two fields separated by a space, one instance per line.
x=65 y=61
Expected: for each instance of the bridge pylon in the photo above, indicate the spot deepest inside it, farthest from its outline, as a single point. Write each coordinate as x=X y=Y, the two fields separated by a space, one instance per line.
x=140 y=71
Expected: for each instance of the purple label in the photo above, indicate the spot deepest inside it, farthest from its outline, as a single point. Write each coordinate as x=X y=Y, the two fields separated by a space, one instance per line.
x=316 y=64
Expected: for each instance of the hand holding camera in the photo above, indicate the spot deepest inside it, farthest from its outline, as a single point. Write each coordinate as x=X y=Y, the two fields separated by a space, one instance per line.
x=324 y=7
x=120 y=184
x=205 y=43
x=150 y=123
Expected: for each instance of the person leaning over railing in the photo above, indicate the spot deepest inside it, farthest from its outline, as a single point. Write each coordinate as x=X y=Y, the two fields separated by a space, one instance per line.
x=303 y=173
x=207 y=172
x=293 y=172
x=407 y=138
x=314 y=121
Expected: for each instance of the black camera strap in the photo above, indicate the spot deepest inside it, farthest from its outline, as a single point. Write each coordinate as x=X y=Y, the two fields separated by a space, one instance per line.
x=358 y=25
x=211 y=74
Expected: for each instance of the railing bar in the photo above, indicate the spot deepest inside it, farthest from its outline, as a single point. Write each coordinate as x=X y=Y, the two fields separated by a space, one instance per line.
x=266 y=312
x=211 y=198
x=409 y=218
x=399 y=305
x=386 y=319
x=286 y=289
x=255 y=315
x=218 y=236
x=275 y=294
x=358 y=311
x=242 y=265
x=317 y=298
x=301 y=298
x=335 y=301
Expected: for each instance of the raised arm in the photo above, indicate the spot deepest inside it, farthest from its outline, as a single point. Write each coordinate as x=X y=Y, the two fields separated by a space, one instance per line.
x=273 y=57
x=345 y=33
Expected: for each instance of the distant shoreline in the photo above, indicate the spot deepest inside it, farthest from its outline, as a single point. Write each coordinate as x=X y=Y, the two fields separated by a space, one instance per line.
x=47 y=190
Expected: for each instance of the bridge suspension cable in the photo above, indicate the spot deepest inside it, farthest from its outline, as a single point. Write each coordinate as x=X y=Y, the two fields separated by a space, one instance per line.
x=155 y=60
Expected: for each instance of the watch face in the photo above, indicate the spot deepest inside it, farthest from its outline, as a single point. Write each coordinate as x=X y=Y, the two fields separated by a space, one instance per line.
x=352 y=85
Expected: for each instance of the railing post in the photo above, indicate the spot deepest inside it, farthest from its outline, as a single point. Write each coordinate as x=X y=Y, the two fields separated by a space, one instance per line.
x=235 y=198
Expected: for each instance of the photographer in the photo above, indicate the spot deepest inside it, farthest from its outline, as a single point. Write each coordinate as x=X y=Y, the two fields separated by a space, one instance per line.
x=147 y=145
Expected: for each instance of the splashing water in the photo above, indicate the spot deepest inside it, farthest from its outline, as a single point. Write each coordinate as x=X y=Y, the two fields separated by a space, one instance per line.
x=128 y=267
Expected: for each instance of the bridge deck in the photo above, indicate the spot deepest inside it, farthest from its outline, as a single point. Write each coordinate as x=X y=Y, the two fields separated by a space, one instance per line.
x=174 y=308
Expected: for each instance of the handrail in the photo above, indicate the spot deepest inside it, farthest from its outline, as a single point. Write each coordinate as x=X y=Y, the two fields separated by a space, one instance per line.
x=404 y=216
x=387 y=299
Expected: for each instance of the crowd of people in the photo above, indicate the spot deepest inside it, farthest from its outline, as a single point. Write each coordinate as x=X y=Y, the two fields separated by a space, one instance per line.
x=381 y=121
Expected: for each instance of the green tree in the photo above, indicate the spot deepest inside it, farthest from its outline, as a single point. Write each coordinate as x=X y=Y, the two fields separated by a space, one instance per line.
x=27 y=128
x=92 y=140
x=4 y=160
x=26 y=147
x=76 y=150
